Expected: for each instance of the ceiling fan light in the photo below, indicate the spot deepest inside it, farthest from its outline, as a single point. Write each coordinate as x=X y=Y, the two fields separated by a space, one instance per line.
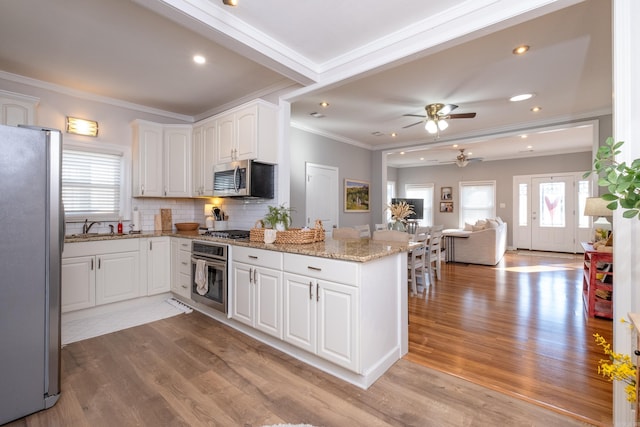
x=442 y=124
x=462 y=163
x=431 y=126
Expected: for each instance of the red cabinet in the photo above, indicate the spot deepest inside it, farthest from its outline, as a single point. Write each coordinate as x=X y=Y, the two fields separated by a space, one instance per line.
x=597 y=282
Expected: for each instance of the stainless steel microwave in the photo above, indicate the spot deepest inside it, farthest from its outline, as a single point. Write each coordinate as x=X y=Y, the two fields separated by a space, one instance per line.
x=244 y=178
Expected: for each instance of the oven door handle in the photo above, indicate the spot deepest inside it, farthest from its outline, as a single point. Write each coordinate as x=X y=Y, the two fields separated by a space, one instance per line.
x=210 y=263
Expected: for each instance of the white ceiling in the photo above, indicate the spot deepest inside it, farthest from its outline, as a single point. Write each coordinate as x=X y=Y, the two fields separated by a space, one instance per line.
x=372 y=61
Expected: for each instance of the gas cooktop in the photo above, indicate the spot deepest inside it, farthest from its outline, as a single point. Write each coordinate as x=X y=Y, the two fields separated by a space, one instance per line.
x=228 y=234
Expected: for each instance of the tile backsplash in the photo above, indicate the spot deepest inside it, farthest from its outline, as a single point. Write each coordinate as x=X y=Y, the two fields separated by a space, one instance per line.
x=242 y=214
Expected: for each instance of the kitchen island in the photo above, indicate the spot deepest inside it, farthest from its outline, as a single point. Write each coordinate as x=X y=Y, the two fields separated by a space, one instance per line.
x=338 y=305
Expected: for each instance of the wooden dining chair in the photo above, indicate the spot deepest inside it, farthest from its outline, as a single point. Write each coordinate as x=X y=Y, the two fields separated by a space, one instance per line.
x=364 y=229
x=391 y=236
x=434 y=256
x=344 y=233
x=417 y=261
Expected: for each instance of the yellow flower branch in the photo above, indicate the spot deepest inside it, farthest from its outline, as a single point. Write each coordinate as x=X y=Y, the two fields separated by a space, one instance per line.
x=618 y=367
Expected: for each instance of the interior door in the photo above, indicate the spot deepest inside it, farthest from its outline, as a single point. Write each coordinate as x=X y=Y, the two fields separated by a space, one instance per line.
x=552 y=214
x=321 y=191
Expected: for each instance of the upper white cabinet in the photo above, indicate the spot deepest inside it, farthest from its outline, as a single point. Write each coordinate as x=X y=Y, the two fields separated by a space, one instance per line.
x=17 y=109
x=248 y=132
x=204 y=147
x=161 y=160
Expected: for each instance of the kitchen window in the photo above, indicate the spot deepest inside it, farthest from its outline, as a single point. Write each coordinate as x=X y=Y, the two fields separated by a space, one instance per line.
x=92 y=183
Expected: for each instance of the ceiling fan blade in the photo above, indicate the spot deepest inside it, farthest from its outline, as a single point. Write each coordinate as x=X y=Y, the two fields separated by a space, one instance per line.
x=413 y=124
x=413 y=115
x=462 y=116
x=446 y=109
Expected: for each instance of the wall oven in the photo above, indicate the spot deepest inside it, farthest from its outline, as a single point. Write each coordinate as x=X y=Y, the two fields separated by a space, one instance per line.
x=209 y=274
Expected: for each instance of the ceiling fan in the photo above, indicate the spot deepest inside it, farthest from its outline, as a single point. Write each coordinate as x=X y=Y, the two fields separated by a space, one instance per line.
x=437 y=116
x=463 y=159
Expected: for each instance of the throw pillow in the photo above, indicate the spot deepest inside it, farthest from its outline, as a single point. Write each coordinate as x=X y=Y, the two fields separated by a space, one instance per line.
x=492 y=223
x=481 y=223
x=500 y=221
x=477 y=228
x=468 y=227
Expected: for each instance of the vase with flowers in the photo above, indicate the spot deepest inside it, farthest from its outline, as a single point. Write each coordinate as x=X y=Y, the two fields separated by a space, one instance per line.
x=399 y=213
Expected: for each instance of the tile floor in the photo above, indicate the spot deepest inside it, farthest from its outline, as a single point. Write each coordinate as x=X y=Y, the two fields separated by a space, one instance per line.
x=89 y=323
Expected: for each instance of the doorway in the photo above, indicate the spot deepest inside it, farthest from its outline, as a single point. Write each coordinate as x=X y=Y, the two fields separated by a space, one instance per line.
x=548 y=212
x=321 y=195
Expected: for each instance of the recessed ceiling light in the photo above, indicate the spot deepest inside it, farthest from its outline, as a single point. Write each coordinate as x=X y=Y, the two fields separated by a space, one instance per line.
x=529 y=147
x=455 y=145
x=536 y=109
x=324 y=104
x=393 y=135
x=524 y=136
x=520 y=50
x=199 y=59
x=521 y=97
x=402 y=153
x=421 y=158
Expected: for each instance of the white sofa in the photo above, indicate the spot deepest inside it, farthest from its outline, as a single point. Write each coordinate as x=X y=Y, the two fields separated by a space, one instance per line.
x=485 y=247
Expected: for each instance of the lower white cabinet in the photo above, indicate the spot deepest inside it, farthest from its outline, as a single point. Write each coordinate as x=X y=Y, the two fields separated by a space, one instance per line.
x=321 y=317
x=181 y=267
x=158 y=264
x=78 y=283
x=99 y=272
x=257 y=289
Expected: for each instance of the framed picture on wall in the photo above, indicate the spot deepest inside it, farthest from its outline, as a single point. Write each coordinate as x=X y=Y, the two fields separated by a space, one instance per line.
x=356 y=195
x=446 y=206
x=445 y=193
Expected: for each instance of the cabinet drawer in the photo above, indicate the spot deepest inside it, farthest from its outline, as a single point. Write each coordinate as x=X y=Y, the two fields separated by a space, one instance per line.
x=322 y=268
x=184 y=262
x=257 y=257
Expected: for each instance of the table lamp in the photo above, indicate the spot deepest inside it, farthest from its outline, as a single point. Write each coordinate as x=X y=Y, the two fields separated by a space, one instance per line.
x=596 y=206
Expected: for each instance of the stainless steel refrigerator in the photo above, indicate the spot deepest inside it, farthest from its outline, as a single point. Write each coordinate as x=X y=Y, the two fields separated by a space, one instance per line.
x=31 y=239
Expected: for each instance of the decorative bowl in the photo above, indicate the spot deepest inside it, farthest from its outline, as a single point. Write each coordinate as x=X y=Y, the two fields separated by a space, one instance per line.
x=187 y=226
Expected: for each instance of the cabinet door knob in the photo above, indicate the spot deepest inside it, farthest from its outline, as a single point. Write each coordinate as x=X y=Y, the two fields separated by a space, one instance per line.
x=636 y=352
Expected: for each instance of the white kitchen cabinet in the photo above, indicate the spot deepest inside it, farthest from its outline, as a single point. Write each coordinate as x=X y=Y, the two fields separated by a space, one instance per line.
x=181 y=267
x=78 y=283
x=257 y=289
x=248 y=132
x=148 y=159
x=177 y=160
x=100 y=272
x=321 y=317
x=117 y=277
x=17 y=109
x=161 y=160
x=158 y=264
x=204 y=145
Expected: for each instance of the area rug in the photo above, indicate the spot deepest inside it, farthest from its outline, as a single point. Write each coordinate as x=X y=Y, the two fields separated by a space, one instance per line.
x=289 y=425
x=84 y=324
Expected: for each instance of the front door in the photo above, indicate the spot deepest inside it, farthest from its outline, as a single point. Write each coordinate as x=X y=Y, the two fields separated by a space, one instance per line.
x=552 y=214
x=321 y=195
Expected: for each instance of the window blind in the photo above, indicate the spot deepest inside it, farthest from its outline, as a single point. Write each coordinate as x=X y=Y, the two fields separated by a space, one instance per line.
x=91 y=184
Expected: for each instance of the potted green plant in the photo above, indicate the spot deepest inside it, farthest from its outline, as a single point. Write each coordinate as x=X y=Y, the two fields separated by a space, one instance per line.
x=278 y=217
x=622 y=180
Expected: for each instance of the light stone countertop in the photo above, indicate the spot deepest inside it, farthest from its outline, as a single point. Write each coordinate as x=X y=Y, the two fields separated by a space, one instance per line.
x=358 y=250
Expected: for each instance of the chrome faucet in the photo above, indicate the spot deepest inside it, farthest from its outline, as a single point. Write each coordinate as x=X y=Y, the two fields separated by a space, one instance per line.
x=86 y=227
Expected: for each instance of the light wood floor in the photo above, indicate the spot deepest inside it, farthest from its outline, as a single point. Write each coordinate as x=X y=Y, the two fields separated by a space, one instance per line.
x=519 y=328
x=191 y=370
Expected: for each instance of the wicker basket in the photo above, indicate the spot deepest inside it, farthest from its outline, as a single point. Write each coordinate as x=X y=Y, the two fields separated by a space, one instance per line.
x=292 y=236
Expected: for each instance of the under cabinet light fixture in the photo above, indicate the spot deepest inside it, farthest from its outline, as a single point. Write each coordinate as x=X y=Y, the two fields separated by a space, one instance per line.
x=82 y=126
